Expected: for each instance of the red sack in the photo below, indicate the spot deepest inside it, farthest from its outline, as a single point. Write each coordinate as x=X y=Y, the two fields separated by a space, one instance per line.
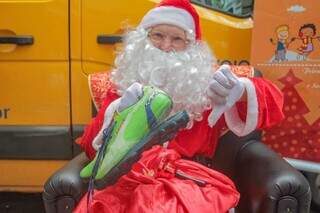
x=152 y=186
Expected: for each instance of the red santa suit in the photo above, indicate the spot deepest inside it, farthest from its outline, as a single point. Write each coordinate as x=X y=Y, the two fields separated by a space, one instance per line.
x=262 y=109
x=146 y=189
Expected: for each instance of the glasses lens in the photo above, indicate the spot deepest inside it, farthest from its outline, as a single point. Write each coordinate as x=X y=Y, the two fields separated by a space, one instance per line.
x=156 y=36
x=178 y=42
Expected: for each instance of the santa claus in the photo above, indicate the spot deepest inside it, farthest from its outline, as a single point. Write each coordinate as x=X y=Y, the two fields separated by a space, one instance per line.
x=166 y=51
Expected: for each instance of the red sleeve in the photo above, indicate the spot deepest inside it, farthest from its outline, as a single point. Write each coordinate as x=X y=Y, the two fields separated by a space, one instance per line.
x=270 y=103
x=200 y=139
x=91 y=130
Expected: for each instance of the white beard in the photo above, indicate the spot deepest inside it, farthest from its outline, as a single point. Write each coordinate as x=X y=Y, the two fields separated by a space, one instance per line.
x=183 y=75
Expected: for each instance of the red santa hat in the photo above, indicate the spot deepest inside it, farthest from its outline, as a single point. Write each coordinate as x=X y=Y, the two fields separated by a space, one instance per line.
x=179 y=13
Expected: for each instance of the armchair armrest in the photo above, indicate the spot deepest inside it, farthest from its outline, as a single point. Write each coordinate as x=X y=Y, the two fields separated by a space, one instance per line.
x=64 y=188
x=266 y=182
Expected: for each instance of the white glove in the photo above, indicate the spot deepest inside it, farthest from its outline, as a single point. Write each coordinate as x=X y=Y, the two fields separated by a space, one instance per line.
x=131 y=96
x=224 y=90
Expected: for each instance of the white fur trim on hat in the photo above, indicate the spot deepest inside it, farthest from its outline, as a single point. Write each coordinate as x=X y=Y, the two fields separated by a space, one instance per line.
x=169 y=15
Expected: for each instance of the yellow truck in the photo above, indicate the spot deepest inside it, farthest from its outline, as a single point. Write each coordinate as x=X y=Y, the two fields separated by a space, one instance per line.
x=47 y=49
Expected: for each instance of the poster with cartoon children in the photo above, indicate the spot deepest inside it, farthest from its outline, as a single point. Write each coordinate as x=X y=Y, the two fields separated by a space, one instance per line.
x=307 y=34
x=286 y=48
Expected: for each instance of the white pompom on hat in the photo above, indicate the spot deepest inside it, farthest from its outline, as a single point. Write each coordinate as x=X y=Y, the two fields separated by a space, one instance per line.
x=179 y=13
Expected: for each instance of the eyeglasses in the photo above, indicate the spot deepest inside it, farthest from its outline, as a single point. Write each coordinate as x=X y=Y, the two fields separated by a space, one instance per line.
x=177 y=42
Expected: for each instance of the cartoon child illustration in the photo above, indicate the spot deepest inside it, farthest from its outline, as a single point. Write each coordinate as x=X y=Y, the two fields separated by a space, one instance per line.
x=307 y=33
x=282 y=43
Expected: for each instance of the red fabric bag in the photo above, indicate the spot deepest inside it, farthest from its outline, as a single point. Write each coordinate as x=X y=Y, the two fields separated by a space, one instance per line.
x=151 y=186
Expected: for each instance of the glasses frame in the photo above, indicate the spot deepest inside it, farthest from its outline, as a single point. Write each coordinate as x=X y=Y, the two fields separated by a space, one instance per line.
x=158 y=37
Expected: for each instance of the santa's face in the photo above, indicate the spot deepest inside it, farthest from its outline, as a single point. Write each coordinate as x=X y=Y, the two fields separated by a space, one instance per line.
x=183 y=74
x=168 y=38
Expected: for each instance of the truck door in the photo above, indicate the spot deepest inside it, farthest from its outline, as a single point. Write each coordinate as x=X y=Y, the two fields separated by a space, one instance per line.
x=34 y=89
x=97 y=34
x=102 y=28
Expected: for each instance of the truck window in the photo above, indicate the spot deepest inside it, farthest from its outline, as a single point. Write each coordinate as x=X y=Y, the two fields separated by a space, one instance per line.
x=239 y=8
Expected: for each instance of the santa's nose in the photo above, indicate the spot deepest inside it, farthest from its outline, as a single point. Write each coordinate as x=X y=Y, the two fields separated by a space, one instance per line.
x=166 y=45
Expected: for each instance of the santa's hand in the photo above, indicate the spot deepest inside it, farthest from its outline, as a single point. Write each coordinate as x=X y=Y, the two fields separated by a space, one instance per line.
x=221 y=84
x=129 y=97
x=224 y=90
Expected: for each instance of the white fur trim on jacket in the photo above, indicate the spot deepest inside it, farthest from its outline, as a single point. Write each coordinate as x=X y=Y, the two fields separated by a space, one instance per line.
x=234 y=122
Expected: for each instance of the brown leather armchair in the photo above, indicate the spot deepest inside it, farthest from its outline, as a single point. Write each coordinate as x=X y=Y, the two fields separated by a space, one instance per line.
x=265 y=181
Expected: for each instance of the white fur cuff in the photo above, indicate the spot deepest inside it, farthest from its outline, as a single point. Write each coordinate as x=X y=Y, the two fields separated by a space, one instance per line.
x=234 y=122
